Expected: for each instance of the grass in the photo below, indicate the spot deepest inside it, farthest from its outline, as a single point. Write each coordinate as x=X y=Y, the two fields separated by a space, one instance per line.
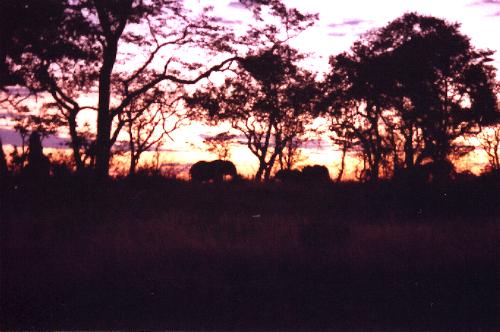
x=161 y=254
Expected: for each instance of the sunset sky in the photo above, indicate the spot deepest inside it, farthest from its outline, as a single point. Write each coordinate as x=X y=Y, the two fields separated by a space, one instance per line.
x=340 y=24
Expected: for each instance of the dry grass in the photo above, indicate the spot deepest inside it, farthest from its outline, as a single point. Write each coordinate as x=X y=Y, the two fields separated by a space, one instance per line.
x=185 y=256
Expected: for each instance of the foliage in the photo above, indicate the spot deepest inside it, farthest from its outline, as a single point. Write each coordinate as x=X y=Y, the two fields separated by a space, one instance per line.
x=490 y=142
x=408 y=90
x=85 y=51
x=270 y=111
x=220 y=144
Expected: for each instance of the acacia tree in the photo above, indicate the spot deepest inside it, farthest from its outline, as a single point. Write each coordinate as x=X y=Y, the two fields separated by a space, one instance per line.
x=355 y=105
x=28 y=27
x=268 y=102
x=99 y=35
x=291 y=154
x=220 y=144
x=449 y=84
x=3 y=163
x=149 y=120
x=489 y=141
x=412 y=88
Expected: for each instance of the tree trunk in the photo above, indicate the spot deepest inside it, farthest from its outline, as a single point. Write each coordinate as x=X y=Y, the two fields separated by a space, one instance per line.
x=75 y=142
x=270 y=164
x=133 y=166
x=375 y=170
x=103 y=142
x=3 y=162
x=409 y=152
x=260 y=171
x=267 y=173
x=131 y=144
x=342 y=161
x=104 y=118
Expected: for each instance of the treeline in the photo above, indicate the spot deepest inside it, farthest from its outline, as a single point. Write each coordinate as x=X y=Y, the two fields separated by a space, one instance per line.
x=406 y=96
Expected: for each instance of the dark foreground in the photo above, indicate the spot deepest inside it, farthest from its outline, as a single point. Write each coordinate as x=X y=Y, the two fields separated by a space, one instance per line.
x=158 y=254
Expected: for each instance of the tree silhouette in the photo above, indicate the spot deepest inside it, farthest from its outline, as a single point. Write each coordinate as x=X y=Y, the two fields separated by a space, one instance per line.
x=29 y=27
x=269 y=107
x=220 y=144
x=3 y=163
x=94 y=39
x=38 y=165
x=291 y=154
x=408 y=90
x=489 y=141
x=448 y=82
x=148 y=121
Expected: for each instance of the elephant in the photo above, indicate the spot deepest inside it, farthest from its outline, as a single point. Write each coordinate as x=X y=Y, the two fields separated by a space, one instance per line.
x=316 y=173
x=433 y=172
x=214 y=171
x=288 y=175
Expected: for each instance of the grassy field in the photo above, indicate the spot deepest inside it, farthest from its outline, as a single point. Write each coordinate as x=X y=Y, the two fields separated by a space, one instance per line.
x=162 y=254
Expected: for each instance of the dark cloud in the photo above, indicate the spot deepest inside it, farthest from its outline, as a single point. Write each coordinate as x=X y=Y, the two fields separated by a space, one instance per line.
x=169 y=150
x=485 y=2
x=316 y=144
x=10 y=136
x=236 y=5
x=17 y=91
x=337 y=34
x=345 y=23
x=228 y=22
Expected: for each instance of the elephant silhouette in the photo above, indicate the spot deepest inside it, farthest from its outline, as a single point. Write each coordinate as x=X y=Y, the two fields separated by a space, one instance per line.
x=288 y=176
x=316 y=173
x=433 y=172
x=212 y=171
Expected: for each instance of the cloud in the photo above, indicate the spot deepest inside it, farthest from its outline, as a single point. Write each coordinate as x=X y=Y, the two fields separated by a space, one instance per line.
x=228 y=21
x=485 y=2
x=10 y=136
x=236 y=5
x=495 y=14
x=348 y=22
x=17 y=91
x=337 y=34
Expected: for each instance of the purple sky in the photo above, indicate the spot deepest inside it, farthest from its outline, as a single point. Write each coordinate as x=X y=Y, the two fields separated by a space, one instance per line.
x=341 y=22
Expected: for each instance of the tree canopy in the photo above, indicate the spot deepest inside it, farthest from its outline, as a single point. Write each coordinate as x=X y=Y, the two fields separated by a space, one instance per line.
x=411 y=88
x=269 y=101
x=399 y=98
x=86 y=50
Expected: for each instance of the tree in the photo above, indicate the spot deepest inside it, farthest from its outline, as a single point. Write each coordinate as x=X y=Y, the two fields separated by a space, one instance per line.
x=30 y=27
x=220 y=144
x=268 y=101
x=449 y=83
x=38 y=166
x=408 y=90
x=3 y=163
x=291 y=154
x=355 y=105
x=148 y=121
x=489 y=141
x=95 y=37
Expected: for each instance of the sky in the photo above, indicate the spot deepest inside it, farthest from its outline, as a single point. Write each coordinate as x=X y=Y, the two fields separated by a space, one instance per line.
x=340 y=24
